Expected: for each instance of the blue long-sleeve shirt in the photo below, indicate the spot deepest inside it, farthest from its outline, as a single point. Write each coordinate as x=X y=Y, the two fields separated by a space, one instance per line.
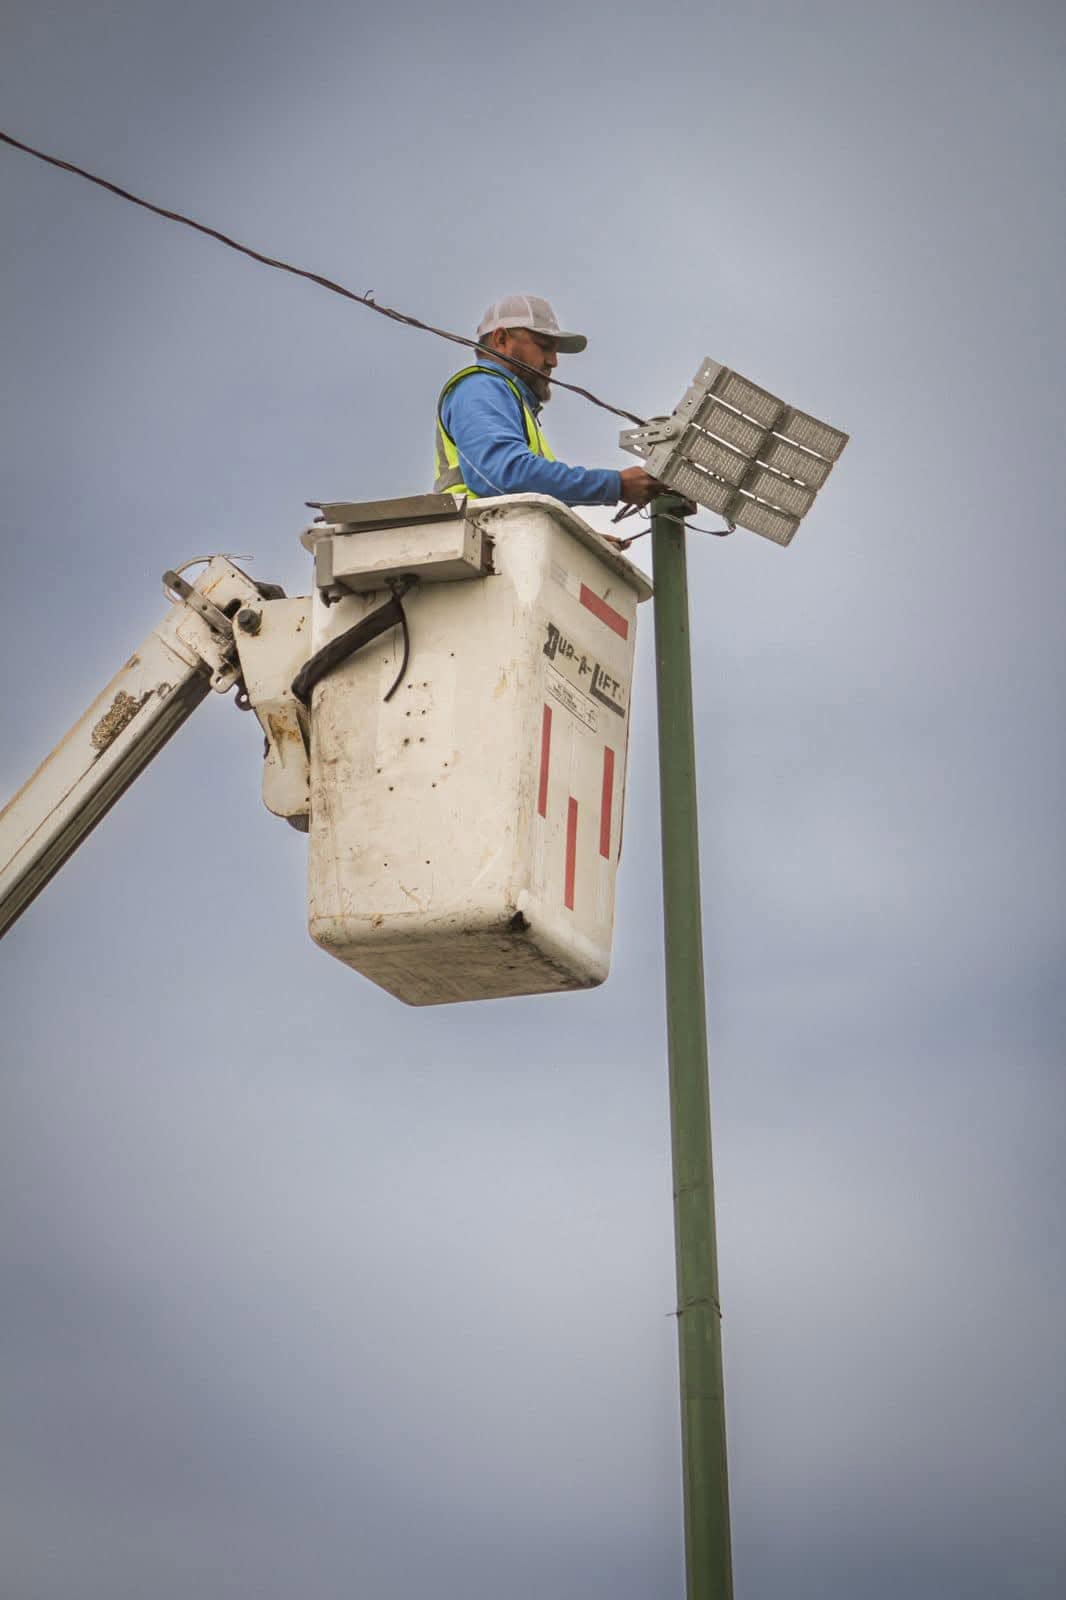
x=483 y=418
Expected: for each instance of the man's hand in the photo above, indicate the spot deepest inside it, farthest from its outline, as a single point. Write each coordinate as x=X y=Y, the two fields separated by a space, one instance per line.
x=638 y=486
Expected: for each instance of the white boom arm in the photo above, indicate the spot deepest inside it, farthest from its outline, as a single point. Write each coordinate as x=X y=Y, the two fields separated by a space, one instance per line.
x=191 y=652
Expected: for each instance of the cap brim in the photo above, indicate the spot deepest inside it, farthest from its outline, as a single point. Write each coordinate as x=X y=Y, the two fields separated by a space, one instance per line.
x=570 y=344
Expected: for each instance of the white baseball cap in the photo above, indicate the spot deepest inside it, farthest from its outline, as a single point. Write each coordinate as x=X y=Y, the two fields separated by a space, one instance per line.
x=530 y=311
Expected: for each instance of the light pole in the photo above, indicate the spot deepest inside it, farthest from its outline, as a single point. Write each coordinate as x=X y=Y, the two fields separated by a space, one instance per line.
x=708 y=1559
x=740 y=451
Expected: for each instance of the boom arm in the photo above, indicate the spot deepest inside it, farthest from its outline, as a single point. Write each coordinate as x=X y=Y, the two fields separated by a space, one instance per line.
x=190 y=652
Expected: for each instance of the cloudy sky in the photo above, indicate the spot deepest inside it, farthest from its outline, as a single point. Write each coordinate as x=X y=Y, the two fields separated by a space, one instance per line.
x=308 y=1294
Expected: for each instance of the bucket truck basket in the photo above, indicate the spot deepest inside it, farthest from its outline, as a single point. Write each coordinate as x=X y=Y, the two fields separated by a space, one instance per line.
x=466 y=809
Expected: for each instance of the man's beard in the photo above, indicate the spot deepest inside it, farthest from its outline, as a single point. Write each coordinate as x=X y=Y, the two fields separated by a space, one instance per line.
x=539 y=382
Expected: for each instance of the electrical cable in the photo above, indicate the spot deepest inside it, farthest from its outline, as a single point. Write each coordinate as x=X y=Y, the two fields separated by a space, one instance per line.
x=366 y=299
x=200 y=561
x=344 y=645
x=405 y=629
x=719 y=533
x=690 y=527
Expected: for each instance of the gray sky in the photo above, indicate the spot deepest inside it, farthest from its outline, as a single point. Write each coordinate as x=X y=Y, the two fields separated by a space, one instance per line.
x=304 y=1293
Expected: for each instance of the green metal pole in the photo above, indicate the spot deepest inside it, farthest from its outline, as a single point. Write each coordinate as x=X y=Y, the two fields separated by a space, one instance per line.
x=708 y=1559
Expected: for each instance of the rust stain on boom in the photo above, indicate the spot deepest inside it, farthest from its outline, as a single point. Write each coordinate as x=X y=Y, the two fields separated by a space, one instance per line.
x=119 y=715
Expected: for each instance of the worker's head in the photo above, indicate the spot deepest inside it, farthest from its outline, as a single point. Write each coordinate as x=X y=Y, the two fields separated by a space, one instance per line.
x=522 y=331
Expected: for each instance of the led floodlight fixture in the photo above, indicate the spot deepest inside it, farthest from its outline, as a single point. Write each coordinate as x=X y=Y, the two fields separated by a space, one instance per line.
x=740 y=451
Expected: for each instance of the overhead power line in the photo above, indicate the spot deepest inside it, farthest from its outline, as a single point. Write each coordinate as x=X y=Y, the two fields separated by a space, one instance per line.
x=302 y=272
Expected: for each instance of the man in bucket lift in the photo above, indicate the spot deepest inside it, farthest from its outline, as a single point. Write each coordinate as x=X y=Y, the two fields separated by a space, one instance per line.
x=489 y=439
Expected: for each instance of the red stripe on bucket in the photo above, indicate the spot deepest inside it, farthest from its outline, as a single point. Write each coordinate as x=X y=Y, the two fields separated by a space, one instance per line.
x=599 y=608
x=545 y=757
x=571 y=853
x=606 y=802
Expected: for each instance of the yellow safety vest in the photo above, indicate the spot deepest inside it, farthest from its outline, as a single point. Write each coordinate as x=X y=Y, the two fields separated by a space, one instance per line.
x=449 y=479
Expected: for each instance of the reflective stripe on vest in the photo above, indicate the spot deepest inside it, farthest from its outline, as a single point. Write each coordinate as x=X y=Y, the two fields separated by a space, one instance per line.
x=449 y=478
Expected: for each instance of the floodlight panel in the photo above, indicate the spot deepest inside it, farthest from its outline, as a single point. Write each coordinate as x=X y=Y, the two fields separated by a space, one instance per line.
x=743 y=395
x=739 y=451
x=701 y=487
x=729 y=425
x=782 y=492
x=708 y=453
x=796 y=463
x=818 y=436
x=775 y=525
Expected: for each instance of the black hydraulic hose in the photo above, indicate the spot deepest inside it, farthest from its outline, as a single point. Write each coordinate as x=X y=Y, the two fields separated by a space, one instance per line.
x=346 y=644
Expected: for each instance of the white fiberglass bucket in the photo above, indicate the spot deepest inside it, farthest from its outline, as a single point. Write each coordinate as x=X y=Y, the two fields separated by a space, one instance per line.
x=465 y=835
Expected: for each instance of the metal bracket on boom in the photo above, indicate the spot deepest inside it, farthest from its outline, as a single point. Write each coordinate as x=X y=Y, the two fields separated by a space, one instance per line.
x=273 y=641
x=220 y=653
x=261 y=650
